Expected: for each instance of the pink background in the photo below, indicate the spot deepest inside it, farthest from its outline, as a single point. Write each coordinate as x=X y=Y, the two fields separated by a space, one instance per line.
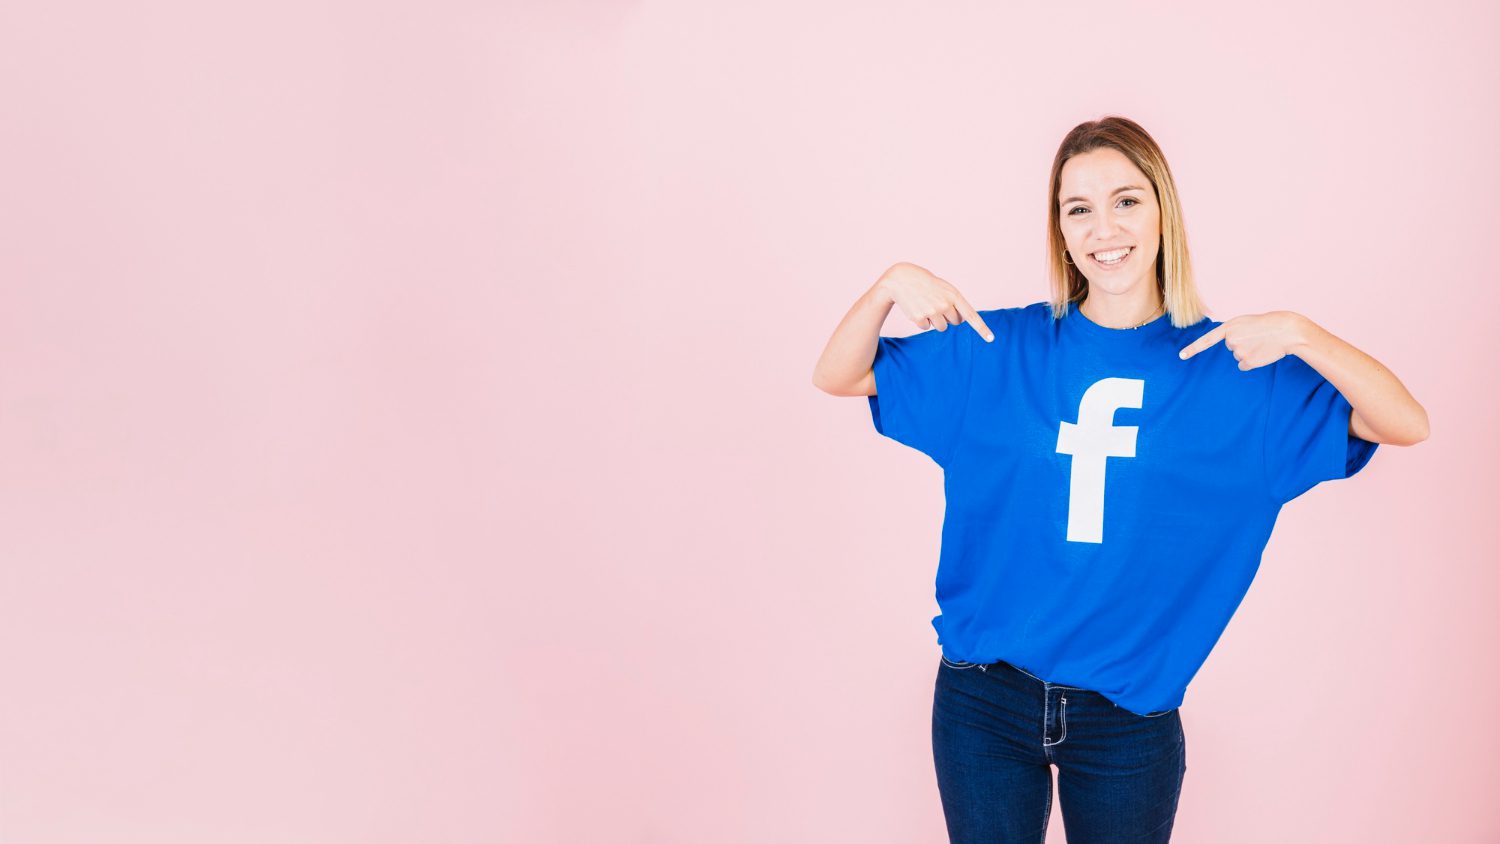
x=408 y=436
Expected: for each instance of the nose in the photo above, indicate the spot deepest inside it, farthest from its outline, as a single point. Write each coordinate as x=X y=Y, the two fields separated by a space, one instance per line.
x=1105 y=227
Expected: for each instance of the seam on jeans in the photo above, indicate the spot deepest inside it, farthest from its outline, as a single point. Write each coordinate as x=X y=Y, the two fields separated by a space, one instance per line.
x=1046 y=711
x=1138 y=715
x=1044 y=682
x=1082 y=689
x=951 y=664
x=1047 y=812
x=1181 y=755
x=1027 y=673
x=1062 y=717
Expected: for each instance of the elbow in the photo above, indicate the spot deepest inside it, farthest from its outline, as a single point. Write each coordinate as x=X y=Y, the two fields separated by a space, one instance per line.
x=1417 y=432
x=839 y=388
x=1422 y=431
x=820 y=382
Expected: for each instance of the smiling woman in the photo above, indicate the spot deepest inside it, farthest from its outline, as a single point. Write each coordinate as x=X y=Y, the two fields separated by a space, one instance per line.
x=1105 y=233
x=1114 y=462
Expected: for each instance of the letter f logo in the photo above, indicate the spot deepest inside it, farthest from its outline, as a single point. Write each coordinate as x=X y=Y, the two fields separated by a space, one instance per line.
x=1091 y=442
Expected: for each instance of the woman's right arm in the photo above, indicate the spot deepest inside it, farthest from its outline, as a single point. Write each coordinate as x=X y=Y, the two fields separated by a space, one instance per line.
x=845 y=369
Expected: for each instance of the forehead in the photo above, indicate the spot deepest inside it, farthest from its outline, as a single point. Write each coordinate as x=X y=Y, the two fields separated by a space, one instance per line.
x=1097 y=173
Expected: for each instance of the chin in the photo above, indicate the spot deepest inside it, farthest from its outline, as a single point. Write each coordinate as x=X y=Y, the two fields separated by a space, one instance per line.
x=1114 y=286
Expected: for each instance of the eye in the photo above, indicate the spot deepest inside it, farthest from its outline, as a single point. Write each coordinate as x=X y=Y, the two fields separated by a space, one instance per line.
x=1081 y=208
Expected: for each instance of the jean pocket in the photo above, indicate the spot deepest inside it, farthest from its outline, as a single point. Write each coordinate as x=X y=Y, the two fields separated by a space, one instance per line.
x=951 y=663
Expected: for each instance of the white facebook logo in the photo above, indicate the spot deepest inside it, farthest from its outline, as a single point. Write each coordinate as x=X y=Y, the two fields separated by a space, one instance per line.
x=1092 y=442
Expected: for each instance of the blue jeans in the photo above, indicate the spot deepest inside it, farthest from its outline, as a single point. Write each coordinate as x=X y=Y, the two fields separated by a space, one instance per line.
x=997 y=730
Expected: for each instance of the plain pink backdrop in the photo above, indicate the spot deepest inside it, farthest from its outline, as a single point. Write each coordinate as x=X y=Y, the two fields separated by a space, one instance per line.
x=408 y=436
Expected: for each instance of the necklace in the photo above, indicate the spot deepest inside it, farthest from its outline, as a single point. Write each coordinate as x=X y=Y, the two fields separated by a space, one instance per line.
x=1149 y=318
x=1141 y=323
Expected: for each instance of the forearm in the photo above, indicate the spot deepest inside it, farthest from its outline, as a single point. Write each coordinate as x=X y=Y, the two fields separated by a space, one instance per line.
x=1377 y=395
x=851 y=350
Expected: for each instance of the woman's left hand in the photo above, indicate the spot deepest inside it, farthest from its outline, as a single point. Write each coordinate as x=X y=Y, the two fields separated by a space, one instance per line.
x=1256 y=339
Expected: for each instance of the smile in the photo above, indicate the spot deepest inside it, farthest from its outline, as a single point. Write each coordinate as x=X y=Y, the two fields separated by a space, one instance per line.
x=1116 y=257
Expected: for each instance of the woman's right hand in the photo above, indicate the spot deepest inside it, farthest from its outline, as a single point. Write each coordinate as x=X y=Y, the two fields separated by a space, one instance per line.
x=929 y=301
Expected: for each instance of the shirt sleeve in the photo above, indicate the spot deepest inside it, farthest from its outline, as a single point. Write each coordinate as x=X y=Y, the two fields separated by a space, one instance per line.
x=1307 y=431
x=922 y=388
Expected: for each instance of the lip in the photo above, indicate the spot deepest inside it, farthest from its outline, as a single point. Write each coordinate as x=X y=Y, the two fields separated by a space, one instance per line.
x=1109 y=267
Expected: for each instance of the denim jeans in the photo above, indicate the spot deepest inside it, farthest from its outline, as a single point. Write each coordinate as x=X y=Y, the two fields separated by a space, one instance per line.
x=997 y=730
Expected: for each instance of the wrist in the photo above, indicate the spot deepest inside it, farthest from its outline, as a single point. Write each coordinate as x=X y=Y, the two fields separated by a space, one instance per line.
x=1304 y=334
x=880 y=293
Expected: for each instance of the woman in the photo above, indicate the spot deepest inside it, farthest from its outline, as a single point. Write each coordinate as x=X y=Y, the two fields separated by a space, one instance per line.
x=1113 y=464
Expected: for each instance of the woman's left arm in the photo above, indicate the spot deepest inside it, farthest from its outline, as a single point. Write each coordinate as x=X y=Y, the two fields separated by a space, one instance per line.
x=1384 y=412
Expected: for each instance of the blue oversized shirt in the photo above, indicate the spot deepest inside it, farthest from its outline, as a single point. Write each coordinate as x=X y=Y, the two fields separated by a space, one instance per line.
x=1107 y=501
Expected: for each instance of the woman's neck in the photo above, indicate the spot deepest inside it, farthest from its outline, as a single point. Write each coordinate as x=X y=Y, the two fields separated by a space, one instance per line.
x=1121 y=314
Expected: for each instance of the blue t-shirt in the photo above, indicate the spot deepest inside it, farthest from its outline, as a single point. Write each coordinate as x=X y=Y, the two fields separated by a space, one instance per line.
x=1107 y=501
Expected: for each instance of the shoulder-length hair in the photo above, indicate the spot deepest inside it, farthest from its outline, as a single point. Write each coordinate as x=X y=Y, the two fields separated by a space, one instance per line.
x=1174 y=269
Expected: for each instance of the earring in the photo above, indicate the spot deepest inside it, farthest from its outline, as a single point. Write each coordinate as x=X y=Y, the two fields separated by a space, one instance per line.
x=1065 y=257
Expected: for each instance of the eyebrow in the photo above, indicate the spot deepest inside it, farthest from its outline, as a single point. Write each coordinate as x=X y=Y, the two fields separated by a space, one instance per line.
x=1116 y=190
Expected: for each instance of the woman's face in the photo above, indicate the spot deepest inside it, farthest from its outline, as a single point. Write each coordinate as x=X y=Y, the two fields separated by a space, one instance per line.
x=1107 y=204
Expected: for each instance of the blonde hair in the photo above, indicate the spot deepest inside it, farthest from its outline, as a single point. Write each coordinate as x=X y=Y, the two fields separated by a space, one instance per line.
x=1174 y=269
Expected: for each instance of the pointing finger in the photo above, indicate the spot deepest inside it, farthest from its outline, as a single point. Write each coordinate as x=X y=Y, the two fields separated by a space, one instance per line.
x=973 y=318
x=1202 y=343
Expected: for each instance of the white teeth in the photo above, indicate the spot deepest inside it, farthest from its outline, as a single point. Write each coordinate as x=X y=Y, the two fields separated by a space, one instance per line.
x=1112 y=257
